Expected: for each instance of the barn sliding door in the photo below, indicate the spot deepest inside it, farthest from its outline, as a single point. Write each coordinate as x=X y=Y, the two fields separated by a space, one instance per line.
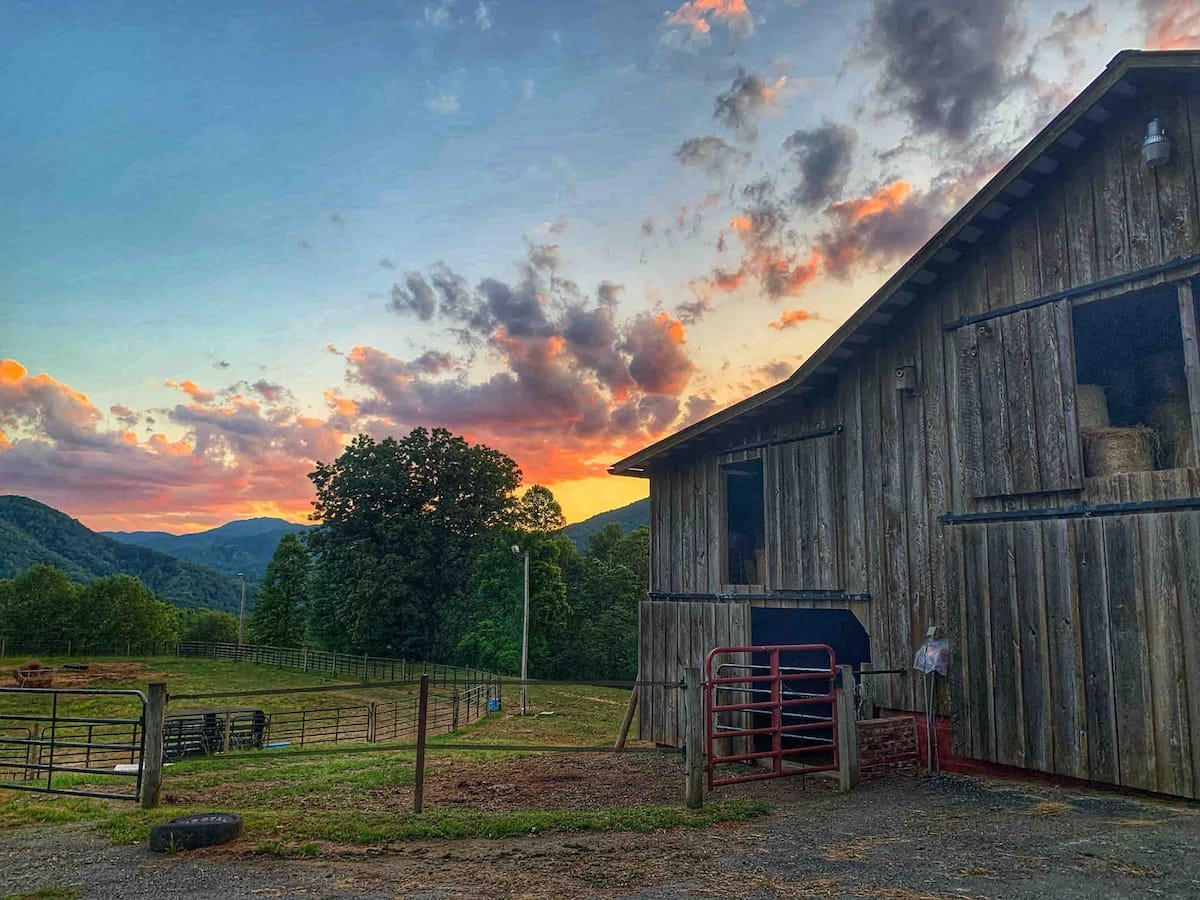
x=1016 y=411
x=803 y=512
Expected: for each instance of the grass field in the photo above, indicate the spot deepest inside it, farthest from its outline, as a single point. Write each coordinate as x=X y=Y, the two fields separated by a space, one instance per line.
x=296 y=802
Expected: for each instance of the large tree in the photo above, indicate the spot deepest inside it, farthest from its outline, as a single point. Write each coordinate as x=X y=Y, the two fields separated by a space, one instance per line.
x=401 y=523
x=281 y=603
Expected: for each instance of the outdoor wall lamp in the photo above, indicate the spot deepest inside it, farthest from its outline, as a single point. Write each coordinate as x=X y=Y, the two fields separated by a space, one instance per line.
x=1156 y=146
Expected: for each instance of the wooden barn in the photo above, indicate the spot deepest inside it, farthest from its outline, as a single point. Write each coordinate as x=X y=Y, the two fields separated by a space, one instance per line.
x=1001 y=442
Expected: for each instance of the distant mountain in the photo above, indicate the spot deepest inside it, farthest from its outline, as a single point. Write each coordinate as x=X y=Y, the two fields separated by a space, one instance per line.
x=245 y=546
x=31 y=533
x=635 y=515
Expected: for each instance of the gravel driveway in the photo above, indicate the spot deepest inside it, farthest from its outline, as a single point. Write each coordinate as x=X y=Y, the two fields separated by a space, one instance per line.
x=900 y=839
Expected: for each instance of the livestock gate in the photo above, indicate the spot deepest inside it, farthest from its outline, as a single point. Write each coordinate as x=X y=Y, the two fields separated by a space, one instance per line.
x=63 y=739
x=775 y=705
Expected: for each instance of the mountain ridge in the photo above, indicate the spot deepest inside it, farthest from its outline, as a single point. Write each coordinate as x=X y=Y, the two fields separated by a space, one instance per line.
x=33 y=533
x=240 y=546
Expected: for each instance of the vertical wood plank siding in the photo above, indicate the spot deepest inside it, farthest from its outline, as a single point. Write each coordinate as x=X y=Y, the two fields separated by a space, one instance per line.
x=1075 y=643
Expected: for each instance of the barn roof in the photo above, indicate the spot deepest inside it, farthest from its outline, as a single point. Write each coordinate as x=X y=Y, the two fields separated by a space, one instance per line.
x=1059 y=140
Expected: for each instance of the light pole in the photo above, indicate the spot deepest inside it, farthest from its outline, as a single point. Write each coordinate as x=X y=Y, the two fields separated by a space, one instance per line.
x=524 y=631
x=242 y=611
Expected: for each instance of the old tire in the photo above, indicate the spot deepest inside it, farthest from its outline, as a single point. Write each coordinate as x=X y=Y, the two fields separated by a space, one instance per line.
x=193 y=832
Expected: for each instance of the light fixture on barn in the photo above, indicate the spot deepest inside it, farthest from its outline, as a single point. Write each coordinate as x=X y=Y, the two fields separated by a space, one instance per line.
x=1156 y=146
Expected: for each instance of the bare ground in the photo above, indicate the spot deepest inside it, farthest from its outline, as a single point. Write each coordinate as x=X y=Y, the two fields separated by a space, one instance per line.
x=901 y=839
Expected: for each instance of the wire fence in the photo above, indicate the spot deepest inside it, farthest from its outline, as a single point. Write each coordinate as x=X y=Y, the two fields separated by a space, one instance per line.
x=361 y=667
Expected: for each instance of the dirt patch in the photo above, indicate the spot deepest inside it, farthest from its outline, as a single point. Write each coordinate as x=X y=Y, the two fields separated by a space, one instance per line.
x=106 y=674
x=580 y=781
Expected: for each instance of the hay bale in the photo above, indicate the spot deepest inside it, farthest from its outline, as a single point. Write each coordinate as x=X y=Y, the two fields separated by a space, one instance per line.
x=1091 y=406
x=1114 y=451
x=1172 y=419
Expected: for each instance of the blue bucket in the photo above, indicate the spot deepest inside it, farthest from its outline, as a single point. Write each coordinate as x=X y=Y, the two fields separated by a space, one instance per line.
x=493 y=704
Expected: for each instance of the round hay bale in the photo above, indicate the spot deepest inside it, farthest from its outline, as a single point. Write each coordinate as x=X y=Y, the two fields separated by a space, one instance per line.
x=1091 y=406
x=1113 y=451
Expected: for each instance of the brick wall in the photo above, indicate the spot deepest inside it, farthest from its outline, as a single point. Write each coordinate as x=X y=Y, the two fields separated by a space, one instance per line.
x=887 y=747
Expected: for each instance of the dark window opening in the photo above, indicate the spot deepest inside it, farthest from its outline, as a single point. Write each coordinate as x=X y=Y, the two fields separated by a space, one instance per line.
x=1131 y=397
x=745 y=522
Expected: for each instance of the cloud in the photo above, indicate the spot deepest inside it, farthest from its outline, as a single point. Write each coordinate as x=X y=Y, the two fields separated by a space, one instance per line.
x=823 y=157
x=698 y=16
x=562 y=382
x=331 y=348
x=414 y=296
x=711 y=155
x=483 y=16
x=269 y=391
x=1170 y=24
x=943 y=63
x=658 y=362
x=741 y=107
x=1068 y=30
x=887 y=223
x=790 y=318
x=234 y=457
x=221 y=364
x=438 y=15
x=193 y=390
x=443 y=103
x=124 y=415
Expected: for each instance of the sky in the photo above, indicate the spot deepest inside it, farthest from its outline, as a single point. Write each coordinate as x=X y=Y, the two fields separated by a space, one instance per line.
x=235 y=235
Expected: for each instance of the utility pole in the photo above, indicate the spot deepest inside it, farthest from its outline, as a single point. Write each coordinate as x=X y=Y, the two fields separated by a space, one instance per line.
x=524 y=631
x=242 y=611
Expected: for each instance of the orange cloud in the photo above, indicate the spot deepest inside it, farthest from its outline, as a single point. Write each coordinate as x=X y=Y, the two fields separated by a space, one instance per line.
x=193 y=390
x=698 y=15
x=886 y=198
x=11 y=371
x=791 y=318
x=778 y=272
x=1174 y=25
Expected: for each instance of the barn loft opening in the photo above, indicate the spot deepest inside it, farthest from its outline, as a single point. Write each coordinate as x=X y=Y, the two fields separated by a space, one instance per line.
x=1132 y=397
x=745 y=522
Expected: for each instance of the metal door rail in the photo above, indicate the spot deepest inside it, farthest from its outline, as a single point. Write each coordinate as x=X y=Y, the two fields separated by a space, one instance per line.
x=800 y=705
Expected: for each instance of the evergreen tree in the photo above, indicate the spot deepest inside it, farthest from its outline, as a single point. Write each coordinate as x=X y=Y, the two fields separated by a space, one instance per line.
x=281 y=604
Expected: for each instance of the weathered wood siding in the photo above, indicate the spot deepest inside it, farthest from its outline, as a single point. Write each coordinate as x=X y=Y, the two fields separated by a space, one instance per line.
x=1074 y=642
x=674 y=636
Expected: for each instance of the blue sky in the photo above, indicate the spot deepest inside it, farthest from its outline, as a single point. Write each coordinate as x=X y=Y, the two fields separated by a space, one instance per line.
x=213 y=193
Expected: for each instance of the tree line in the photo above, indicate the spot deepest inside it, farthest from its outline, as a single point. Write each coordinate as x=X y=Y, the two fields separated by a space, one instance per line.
x=413 y=557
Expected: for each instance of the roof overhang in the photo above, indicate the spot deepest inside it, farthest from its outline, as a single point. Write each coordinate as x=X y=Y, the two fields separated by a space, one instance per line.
x=1070 y=130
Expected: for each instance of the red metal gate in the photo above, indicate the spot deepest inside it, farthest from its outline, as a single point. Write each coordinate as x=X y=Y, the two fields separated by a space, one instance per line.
x=752 y=700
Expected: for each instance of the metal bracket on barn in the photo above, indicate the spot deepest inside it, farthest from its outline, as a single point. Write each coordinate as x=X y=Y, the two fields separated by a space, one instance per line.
x=788 y=439
x=775 y=704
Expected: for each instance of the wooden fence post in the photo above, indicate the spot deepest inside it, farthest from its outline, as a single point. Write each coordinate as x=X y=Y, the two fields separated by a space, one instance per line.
x=422 y=712
x=693 y=731
x=630 y=709
x=152 y=737
x=847 y=730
